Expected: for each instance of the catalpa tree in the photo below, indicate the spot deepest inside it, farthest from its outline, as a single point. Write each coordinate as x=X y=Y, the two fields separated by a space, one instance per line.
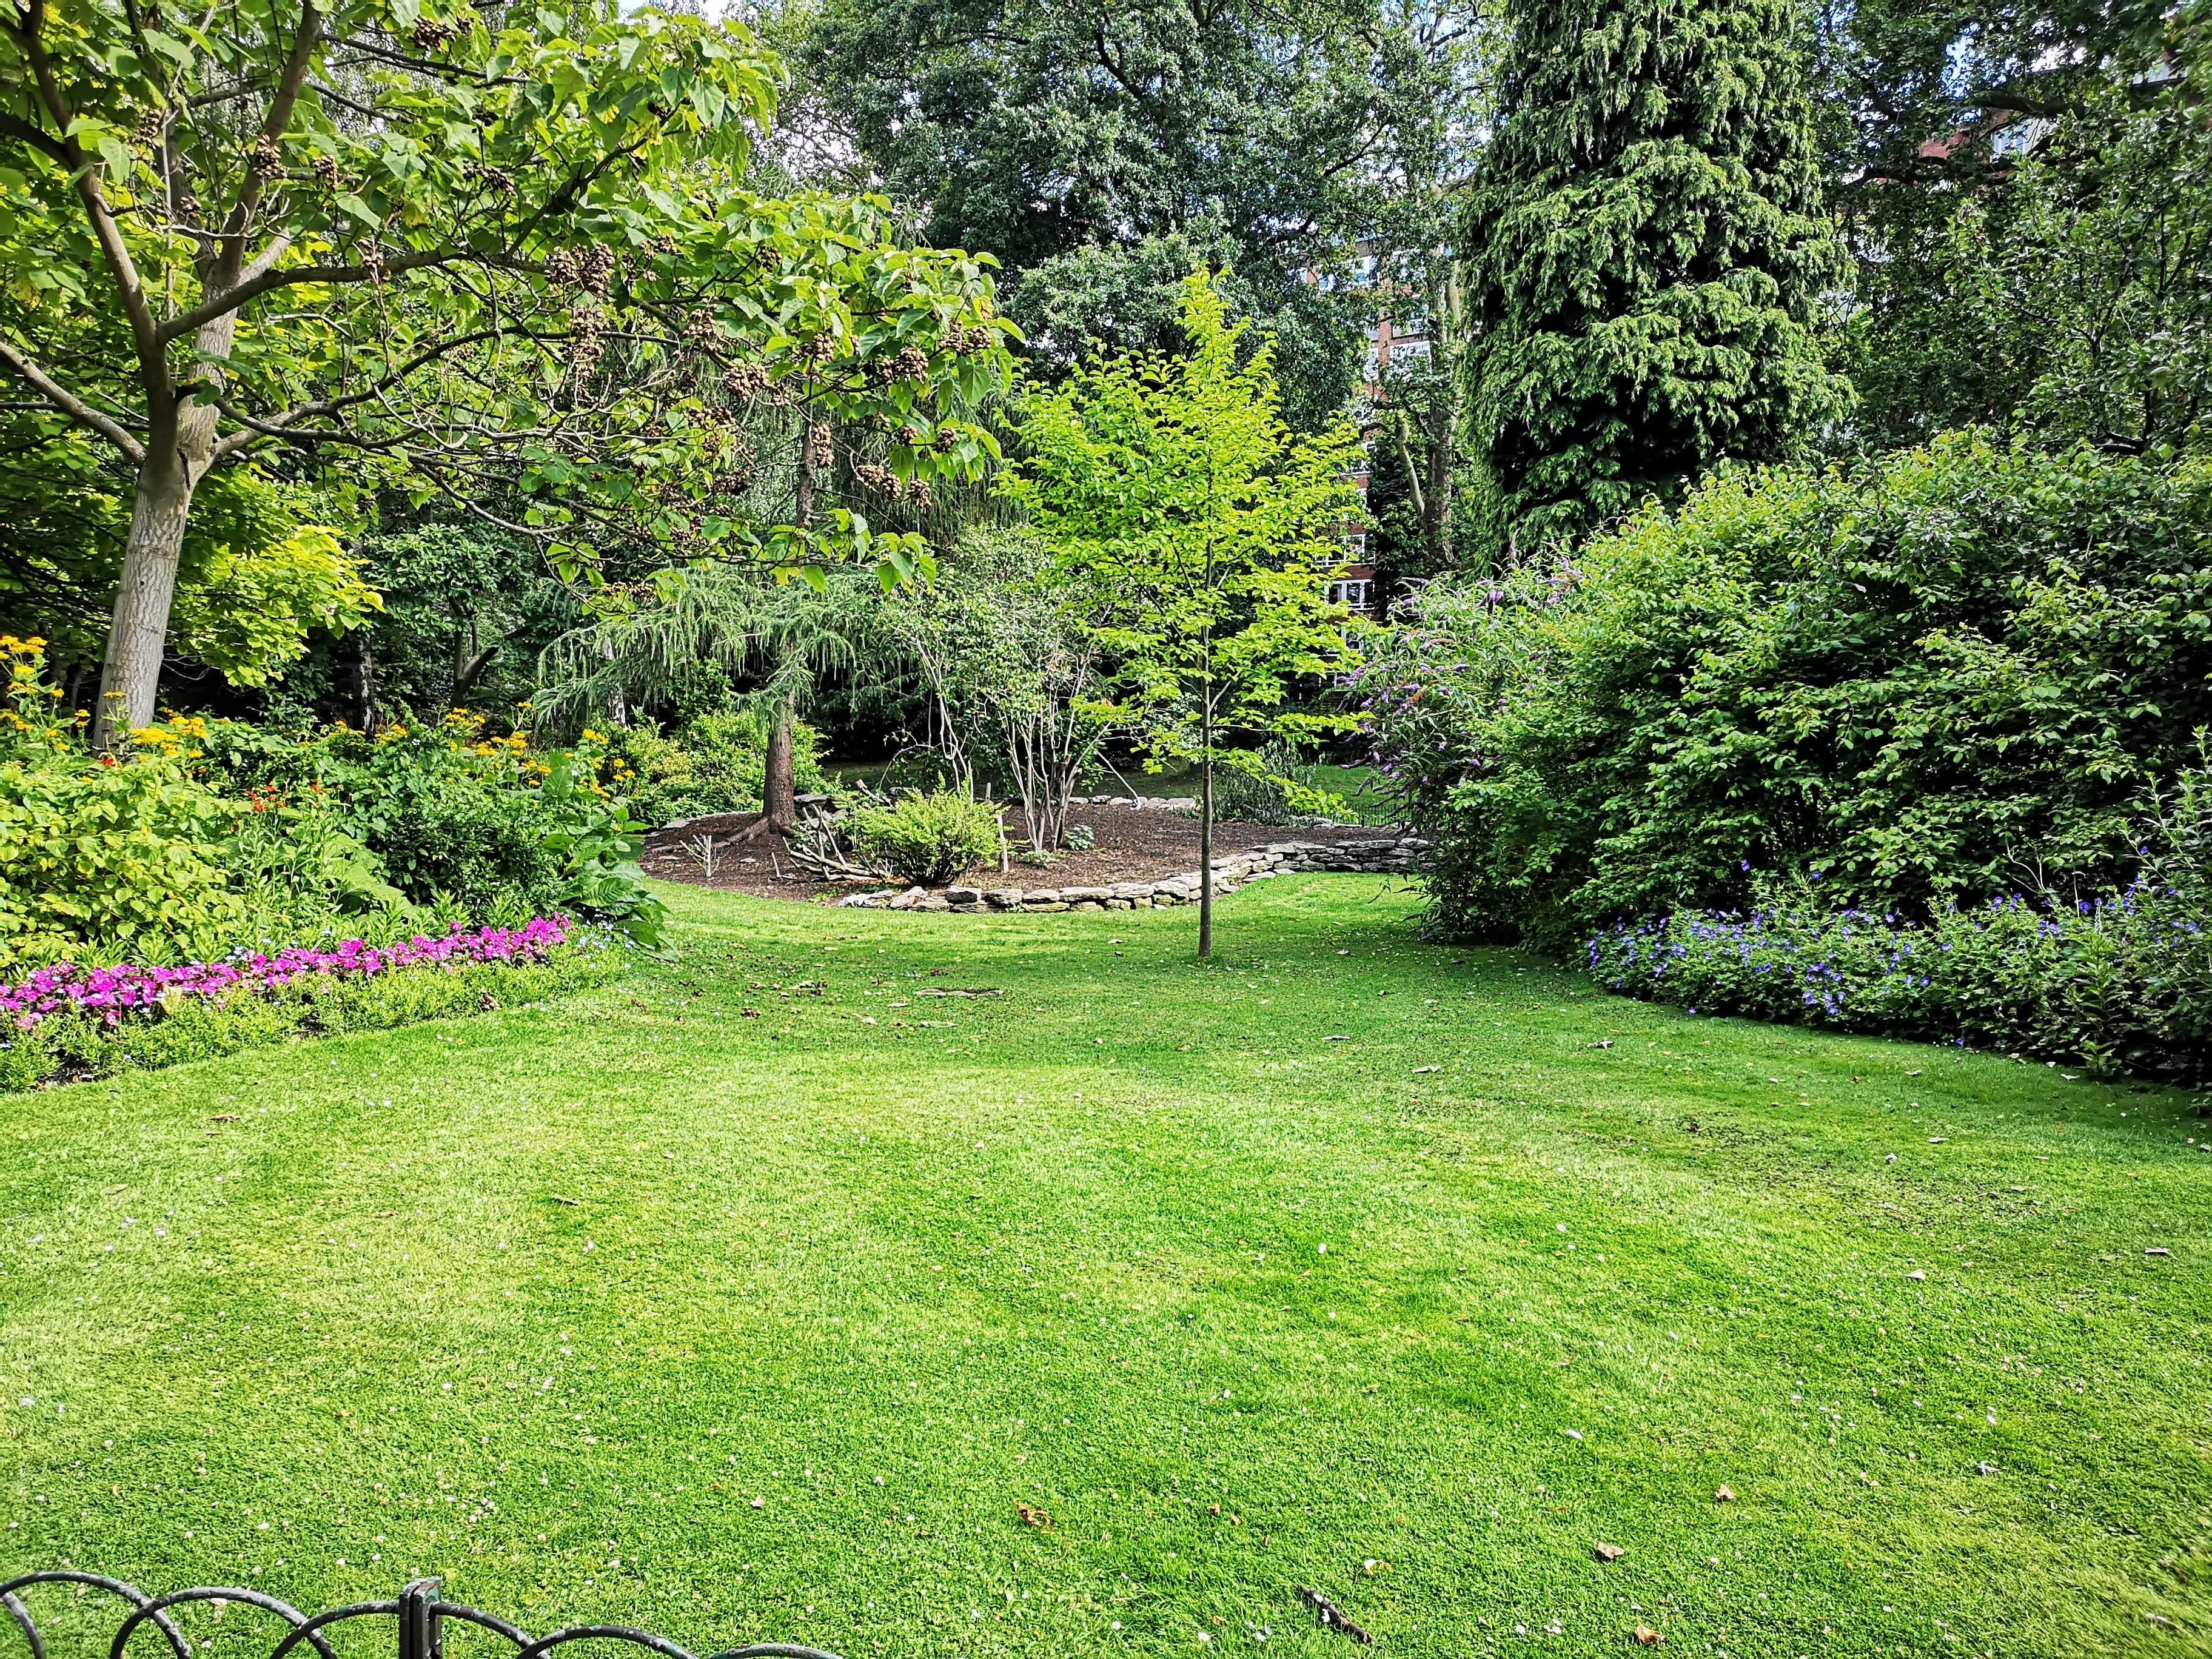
x=510 y=257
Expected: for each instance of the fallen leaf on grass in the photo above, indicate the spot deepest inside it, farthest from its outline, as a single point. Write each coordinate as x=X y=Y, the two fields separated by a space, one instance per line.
x=1030 y=1518
x=956 y=991
x=2158 y=1249
x=1609 y=1552
x=760 y=1503
x=1607 y=1043
x=1725 y=1495
x=1418 y=1070
x=1648 y=1637
x=224 y=1117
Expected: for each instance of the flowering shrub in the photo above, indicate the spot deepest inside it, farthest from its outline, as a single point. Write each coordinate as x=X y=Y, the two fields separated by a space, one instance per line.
x=72 y=1020
x=457 y=815
x=2123 y=982
x=1906 y=676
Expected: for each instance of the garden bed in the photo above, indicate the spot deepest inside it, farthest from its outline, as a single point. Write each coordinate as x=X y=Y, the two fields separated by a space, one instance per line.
x=1134 y=844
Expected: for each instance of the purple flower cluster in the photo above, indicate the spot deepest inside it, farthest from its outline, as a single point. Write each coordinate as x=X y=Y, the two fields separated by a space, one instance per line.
x=111 y=993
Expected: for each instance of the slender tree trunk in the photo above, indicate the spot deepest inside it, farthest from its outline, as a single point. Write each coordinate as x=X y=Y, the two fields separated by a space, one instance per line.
x=130 y=677
x=365 y=682
x=1205 y=831
x=780 y=791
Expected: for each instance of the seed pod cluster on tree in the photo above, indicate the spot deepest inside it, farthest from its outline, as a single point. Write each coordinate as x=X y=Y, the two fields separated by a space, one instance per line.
x=746 y=381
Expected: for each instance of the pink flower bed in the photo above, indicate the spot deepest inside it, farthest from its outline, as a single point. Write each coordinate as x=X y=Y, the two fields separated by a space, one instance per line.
x=111 y=993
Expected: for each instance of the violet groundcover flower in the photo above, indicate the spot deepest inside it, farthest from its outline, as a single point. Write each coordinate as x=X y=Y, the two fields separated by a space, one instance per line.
x=112 y=992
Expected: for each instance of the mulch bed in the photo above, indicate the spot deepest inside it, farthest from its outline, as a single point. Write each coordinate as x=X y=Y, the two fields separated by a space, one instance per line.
x=1134 y=844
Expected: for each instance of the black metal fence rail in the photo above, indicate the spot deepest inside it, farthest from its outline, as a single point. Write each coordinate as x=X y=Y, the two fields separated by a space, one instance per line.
x=420 y=1615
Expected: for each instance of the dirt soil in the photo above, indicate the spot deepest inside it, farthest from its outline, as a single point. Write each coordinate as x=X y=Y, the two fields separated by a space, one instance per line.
x=1134 y=844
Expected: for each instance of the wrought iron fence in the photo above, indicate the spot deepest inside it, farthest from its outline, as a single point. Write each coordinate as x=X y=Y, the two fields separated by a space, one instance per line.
x=421 y=1615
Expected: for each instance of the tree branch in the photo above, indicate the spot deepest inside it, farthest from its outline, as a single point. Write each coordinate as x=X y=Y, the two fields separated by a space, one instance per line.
x=72 y=405
x=281 y=103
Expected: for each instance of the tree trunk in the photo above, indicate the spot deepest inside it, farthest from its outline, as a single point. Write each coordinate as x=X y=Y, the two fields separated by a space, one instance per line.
x=364 y=668
x=1205 y=843
x=780 y=791
x=130 y=677
x=178 y=450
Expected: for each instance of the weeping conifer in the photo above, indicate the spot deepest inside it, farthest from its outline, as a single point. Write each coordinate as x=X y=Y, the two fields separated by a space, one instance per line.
x=1647 y=254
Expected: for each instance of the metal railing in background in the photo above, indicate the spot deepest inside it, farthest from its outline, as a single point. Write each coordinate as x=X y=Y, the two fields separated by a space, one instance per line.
x=421 y=1616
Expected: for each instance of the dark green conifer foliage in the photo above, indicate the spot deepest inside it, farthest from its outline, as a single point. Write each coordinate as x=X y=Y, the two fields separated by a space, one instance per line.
x=1647 y=253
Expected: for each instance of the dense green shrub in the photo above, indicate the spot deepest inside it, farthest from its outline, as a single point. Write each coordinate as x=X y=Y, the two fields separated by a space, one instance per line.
x=1915 y=679
x=457 y=817
x=927 y=839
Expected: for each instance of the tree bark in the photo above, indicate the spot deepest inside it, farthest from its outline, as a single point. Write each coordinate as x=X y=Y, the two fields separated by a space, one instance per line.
x=178 y=450
x=780 y=791
x=130 y=675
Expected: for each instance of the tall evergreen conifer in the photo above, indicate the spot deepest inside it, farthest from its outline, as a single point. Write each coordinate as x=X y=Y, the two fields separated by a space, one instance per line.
x=1647 y=251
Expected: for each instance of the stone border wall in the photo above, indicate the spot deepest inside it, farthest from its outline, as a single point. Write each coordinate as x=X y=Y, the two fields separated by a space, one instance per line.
x=1387 y=855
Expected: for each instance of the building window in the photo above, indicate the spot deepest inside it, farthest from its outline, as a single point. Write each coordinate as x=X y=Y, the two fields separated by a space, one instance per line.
x=1352 y=595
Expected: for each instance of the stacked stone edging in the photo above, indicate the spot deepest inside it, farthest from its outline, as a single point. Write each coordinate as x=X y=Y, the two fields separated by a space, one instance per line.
x=1386 y=856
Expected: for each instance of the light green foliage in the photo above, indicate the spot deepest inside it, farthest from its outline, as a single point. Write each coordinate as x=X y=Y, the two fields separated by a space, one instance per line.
x=263 y=564
x=1202 y=530
x=1062 y=1248
x=247 y=614
x=1948 y=673
x=930 y=838
x=1647 y=254
x=123 y=860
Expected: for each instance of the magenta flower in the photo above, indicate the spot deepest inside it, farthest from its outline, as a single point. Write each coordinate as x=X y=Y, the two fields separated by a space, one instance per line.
x=111 y=993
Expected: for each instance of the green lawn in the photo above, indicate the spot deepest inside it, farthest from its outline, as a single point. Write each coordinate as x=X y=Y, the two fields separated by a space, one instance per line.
x=633 y=1308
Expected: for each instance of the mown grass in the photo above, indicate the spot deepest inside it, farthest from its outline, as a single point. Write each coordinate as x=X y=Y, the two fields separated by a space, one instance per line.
x=634 y=1307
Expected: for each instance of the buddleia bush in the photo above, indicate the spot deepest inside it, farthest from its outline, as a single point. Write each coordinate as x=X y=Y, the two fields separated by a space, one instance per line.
x=1928 y=680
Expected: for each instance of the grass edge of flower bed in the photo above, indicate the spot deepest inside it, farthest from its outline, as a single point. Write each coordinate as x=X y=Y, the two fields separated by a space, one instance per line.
x=74 y=1047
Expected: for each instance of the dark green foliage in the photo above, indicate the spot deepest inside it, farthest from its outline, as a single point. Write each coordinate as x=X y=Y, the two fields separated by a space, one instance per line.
x=466 y=611
x=1647 y=256
x=2067 y=298
x=1090 y=148
x=1931 y=677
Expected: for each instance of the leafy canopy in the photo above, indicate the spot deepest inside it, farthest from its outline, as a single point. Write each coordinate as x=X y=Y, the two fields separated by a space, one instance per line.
x=1204 y=529
x=502 y=261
